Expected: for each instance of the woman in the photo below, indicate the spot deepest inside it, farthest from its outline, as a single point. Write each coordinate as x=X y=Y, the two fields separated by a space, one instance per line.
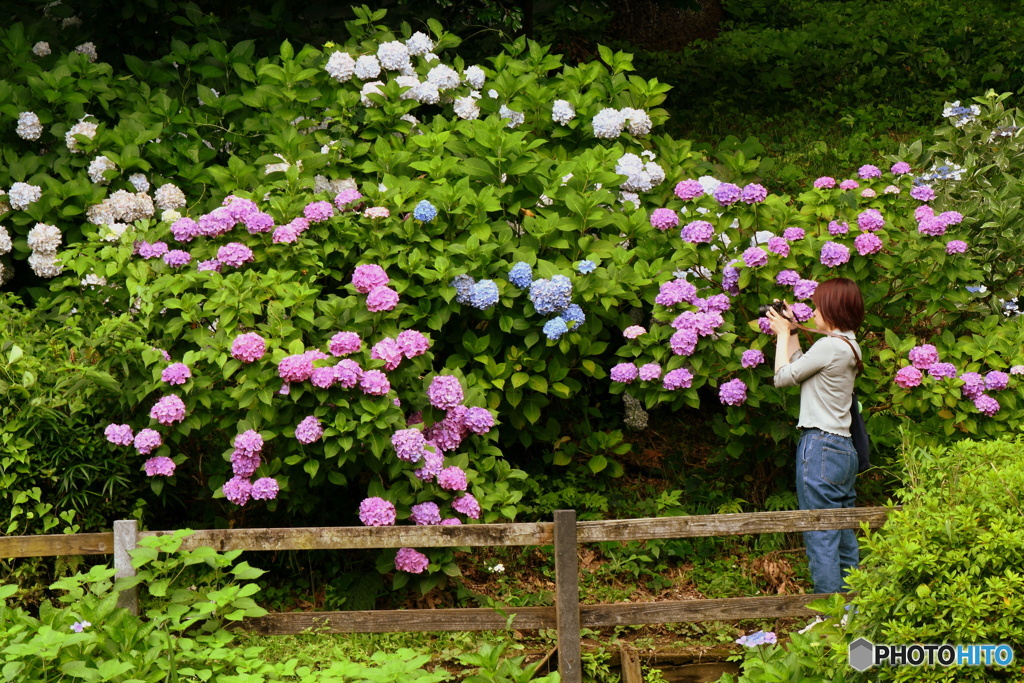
x=826 y=461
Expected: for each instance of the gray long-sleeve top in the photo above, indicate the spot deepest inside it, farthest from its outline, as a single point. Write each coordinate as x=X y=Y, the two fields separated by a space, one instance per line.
x=826 y=374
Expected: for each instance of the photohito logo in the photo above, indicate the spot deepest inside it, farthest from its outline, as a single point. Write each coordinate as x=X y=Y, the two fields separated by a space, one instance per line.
x=864 y=654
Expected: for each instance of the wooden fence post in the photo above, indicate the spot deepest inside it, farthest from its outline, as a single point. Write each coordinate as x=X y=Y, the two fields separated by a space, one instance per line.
x=567 y=600
x=126 y=532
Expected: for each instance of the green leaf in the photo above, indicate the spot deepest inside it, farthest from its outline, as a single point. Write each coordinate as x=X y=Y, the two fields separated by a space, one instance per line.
x=597 y=463
x=14 y=355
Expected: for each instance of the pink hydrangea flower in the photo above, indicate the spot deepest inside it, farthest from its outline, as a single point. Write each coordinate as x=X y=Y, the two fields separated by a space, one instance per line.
x=209 y=265
x=387 y=350
x=869 y=171
x=318 y=212
x=478 y=420
x=900 y=168
x=412 y=561
x=237 y=490
x=922 y=193
x=248 y=347
x=367 y=276
x=451 y=521
x=804 y=289
x=295 y=368
x=624 y=372
x=344 y=343
x=697 y=232
x=753 y=193
x=445 y=392
x=265 y=488
x=834 y=254
x=1017 y=370
x=974 y=384
x=176 y=258
x=986 y=404
x=633 y=331
x=689 y=189
x=838 y=228
x=996 y=380
x=868 y=193
x=867 y=243
x=942 y=370
x=343 y=199
x=433 y=463
x=176 y=373
x=349 y=373
x=323 y=378
x=258 y=222
x=286 y=234
x=467 y=505
x=147 y=440
x=675 y=292
x=663 y=219
x=802 y=312
x=755 y=257
x=752 y=358
x=381 y=299
x=374 y=383
x=161 y=466
x=778 y=245
x=922 y=212
x=908 y=377
x=683 y=342
x=377 y=512
x=168 y=410
x=727 y=194
x=787 y=277
x=119 y=435
x=825 y=183
x=650 y=371
x=452 y=479
x=933 y=226
x=733 y=392
x=891 y=189
x=923 y=356
x=680 y=378
x=413 y=343
x=425 y=513
x=309 y=430
x=245 y=464
x=794 y=234
x=184 y=229
x=377 y=212
x=870 y=220
x=410 y=444
x=151 y=251
x=234 y=254
x=849 y=185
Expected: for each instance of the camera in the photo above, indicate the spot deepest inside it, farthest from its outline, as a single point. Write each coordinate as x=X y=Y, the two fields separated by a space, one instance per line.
x=776 y=305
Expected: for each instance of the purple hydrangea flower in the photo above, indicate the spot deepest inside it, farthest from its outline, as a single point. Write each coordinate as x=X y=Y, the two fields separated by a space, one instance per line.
x=346 y=197
x=387 y=350
x=922 y=357
x=680 y=378
x=217 y=222
x=377 y=512
x=245 y=464
x=663 y=219
x=452 y=479
x=778 y=245
x=248 y=347
x=413 y=343
x=755 y=257
x=867 y=243
x=410 y=444
x=932 y=226
x=802 y=312
x=900 y=168
x=323 y=378
x=908 y=377
x=119 y=435
x=633 y=331
x=176 y=373
x=344 y=343
x=675 y=292
x=689 y=189
x=265 y=488
x=986 y=404
x=624 y=372
x=318 y=212
x=309 y=430
x=752 y=358
x=249 y=442
x=834 y=254
x=451 y=521
x=716 y=303
x=412 y=561
x=650 y=372
x=868 y=171
x=951 y=217
x=373 y=382
x=368 y=276
x=838 y=228
x=942 y=370
x=996 y=380
x=286 y=234
x=922 y=212
x=146 y=440
x=234 y=254
x=478 y=420
x=184 y=229
x=922 y=193
x=733 y=392
x=974 y=384
x=697 y=232
x=349 y=373
x=804 y=289
x=467 y=504
x=794 y=234
x=258 y=222
x=825 y=183
x=168 y=410
x=765 y=325
x=425 y=513
x=161 y=466
x=295 y=368
x=753 y=193
x=177 y=258
x=151 y=251
x=870 y=220
x=787 y=277
x=849 y=185
x=237 y=490
x=433 y=463
x=445 y=392
x=683 y=342
x=210 y=264
x=381 y=299
x=727 y=194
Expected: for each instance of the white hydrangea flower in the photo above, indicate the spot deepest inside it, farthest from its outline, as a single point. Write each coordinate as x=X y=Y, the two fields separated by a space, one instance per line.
x=566 y=178
x=393 y=55
x=640 y=177
x=29 y=127
x=608 y=123
x=427 y=93
x=419 y=44
x=44 y=265
x=411 y=119
x=709 y=183
x=5 y=241
x=89 y=50
x=170 y=215
x=139 y=181
x=466 y=108
x=86 y=128
x=115 y=231
x=93 y=280
x=444 y=77
x=124 y=206
x=69 y=22
x=648 y=154
x=474 y=77
x=373 y=87
x=410 y=82
x=629 y=197
x=96 y=168
x=44 y=238
x=169 y=196
x=41 y=49
x=381 y=187
x=4 y=206
x=367 y=67
x=639 y=122
x=563 y=112
x=409 y=70
x=544 y=200
x=492 y=93
x=430 y=58
x=23 y=194
x=515 y=117
x=341 y=66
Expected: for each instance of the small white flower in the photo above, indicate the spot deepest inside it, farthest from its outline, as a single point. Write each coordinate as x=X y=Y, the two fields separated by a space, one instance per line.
x=373 y=87
x=474 y=77
x=419 y=44
x=639 y=122
x=492 y=93
x=367 y=67
x=169 y=196
x=44 y=265
x=562 y=112
x=410 y=118
x=5 y=241
x=96 y=168
x=44 y=238
x=69 y=22
x=608 y=123
x=466 y=108
x=444 y=77
x=648 y=154
x=629 y=197
x=430 y=58
x=41 y=49
x=29 y=127
x=114 y=232
x=85 y=128
x=139 y=182
x=709 y=183
x=393 y=55
x=497 y=569
x=93 y=280
x=341 y=66
x=515 y=117
x=382 y=187
x=89 y=50
x=23 y=194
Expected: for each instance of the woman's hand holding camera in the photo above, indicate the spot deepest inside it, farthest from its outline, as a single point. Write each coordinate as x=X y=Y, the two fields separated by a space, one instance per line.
x=782 y=323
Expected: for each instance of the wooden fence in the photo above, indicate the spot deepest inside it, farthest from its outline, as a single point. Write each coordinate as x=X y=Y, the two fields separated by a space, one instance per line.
x=564 y=534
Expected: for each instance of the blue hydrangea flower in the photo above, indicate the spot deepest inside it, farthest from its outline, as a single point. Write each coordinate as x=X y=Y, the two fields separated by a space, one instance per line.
x=555 y=328
x=521 y=275
x=551 y=296
x=573 y=316
x=483 y=294
x=586 y=267
x=424 y=211
x=462 y=284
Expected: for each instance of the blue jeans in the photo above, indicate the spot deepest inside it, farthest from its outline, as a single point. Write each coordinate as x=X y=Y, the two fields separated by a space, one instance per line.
x=826 y=469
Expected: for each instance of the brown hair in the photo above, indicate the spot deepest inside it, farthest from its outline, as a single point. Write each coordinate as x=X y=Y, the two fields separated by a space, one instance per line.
x=840 y=303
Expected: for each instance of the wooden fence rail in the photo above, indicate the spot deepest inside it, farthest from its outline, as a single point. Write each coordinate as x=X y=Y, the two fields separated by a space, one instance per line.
x=564 y=533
